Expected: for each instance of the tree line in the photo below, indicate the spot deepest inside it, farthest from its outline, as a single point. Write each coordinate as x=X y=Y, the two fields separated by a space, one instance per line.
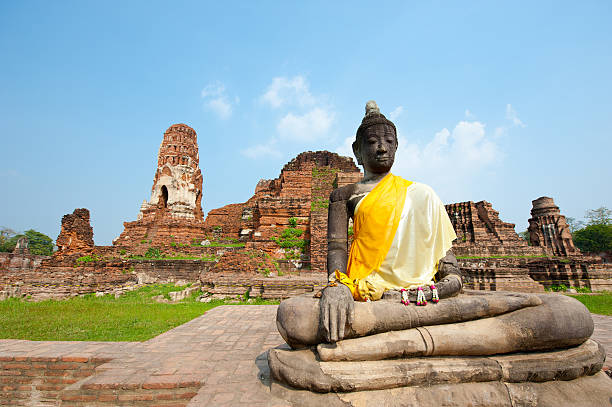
x=38 y=243
x=594 y=235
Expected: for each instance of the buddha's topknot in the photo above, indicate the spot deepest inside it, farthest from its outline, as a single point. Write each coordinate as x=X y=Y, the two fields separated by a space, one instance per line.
x=372 y=117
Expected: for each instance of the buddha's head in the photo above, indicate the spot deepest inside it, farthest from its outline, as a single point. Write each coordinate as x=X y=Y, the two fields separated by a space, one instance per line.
x=376 y=141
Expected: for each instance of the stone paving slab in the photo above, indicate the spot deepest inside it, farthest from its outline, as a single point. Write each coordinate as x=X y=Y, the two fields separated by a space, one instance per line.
x=603 y=334
x=223 y=352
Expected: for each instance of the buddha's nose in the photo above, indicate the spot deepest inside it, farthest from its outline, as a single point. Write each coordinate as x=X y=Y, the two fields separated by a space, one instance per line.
x=381 y=148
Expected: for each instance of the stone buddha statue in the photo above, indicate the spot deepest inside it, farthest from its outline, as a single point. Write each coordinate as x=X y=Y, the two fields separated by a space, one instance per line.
x=394 y=326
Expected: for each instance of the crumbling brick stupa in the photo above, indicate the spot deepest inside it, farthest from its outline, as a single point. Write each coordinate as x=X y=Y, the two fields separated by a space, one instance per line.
x=76 y=235
x=174 y=212
x=549 y=230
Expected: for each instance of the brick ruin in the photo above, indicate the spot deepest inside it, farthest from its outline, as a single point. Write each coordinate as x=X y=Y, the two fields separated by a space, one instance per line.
x=301 y=191
x=174 y=212
x=480 y=232
x=76 y=235
x=549 y=230
x=494 y=257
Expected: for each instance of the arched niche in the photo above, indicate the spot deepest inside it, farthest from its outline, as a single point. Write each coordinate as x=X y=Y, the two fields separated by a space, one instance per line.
x=164 y=196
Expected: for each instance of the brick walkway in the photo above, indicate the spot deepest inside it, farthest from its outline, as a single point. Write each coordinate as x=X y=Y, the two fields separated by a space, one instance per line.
x=217 y=359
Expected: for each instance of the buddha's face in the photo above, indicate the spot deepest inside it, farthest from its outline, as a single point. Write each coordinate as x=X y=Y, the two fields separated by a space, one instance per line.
x=376 y=149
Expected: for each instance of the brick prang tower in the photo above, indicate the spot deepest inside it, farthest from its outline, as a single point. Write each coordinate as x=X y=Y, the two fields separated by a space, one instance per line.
x=174 y=212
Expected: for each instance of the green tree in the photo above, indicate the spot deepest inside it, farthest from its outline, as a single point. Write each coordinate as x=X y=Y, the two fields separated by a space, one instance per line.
x=39 y=243
x=596 y=236
x=6 y=235
x=526 y=236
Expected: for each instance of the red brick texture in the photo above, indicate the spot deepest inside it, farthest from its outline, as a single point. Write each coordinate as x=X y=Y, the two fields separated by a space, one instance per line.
x=32 y=381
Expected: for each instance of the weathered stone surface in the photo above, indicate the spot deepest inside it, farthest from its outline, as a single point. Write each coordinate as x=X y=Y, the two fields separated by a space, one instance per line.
x=297 y=317
x=542 y=327
x=548 y=228
x=303 y=370
x=587 y=391
x=76 y=235
x=174 y=212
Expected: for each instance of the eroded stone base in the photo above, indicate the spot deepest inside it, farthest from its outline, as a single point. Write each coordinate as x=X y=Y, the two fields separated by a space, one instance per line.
x=588 y=391
x=303 y=369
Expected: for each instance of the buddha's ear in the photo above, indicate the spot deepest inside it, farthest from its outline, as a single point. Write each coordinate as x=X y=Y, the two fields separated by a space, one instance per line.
x=357 y=152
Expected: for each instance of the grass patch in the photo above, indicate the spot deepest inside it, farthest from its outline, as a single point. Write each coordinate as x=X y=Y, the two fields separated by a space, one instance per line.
x=596 y=303
x=134 y=316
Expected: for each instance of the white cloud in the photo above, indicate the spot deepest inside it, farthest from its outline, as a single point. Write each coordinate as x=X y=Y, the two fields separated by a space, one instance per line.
x=303 y=120
x=500 y=132
x=261 y=150
x=512 y=116
x=285 y=91
x=310 y=126
x=221 y=107
x=458 y=156
x=396 y=113
x=346 y=148
x=213 y=89
x=216 y=100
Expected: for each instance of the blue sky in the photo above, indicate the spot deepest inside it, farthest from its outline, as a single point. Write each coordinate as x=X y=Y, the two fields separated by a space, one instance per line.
x=501 y=101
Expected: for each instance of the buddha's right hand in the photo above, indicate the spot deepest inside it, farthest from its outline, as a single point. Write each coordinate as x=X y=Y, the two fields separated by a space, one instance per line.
x=337 y=309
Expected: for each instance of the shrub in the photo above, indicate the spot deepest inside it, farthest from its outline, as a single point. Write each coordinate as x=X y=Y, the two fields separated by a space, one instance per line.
x=153 y=253
x=88 y=258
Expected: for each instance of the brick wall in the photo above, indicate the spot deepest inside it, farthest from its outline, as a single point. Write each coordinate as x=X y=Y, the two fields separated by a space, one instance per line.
x=39 y=381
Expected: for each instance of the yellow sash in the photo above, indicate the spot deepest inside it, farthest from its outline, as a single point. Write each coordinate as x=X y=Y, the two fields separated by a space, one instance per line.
x=375 y=225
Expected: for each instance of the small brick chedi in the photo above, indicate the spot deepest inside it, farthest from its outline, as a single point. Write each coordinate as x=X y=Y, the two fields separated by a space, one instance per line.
x=549 y=230
x=76 y=235
x=174 y=212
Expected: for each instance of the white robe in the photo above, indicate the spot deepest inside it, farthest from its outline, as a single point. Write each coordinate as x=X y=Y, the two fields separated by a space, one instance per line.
x=423 y=236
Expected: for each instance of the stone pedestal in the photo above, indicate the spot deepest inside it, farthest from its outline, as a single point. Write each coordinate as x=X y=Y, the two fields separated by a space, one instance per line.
x=498 y=349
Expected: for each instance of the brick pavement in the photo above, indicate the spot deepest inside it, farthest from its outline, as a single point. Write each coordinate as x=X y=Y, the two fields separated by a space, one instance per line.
x=217 y=359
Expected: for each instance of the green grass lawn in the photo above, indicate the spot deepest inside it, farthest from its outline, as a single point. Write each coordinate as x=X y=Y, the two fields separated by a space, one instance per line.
x=132 y=317
x=597 y=303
